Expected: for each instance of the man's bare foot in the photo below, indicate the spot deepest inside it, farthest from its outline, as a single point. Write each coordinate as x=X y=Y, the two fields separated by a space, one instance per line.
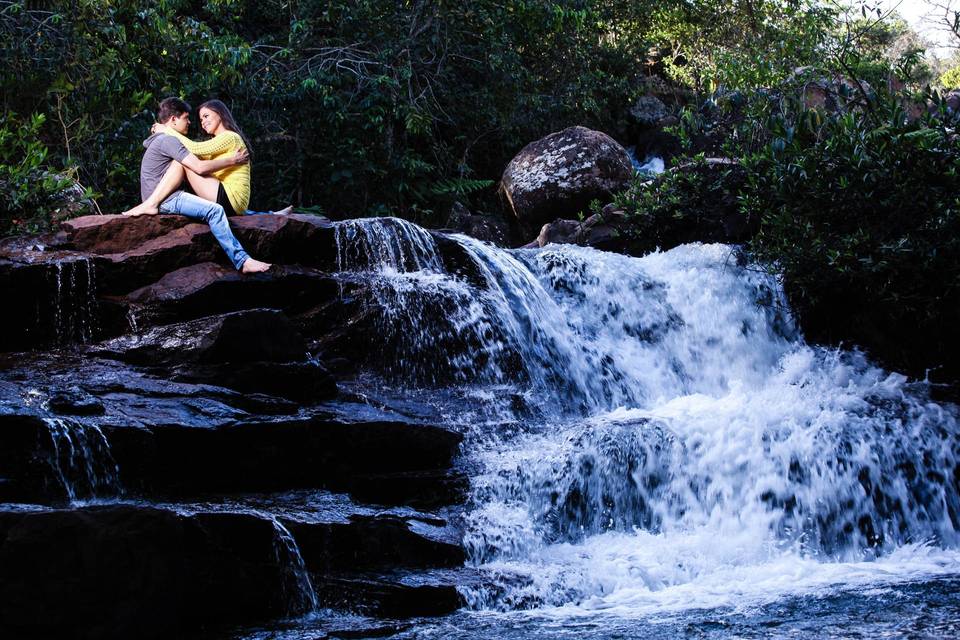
x=142 y=209
x=284 y=211
x=254 y=266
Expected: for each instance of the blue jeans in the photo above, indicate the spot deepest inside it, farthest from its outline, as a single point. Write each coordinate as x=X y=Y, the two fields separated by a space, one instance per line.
x=196 y=208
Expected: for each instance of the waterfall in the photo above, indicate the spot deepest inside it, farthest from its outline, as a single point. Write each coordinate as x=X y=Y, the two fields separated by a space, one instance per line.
x=298 y=591
x=688 y=447
x=80 y=460
x=72 y=300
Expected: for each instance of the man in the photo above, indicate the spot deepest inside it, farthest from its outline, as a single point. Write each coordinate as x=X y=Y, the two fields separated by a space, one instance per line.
x=162 y=151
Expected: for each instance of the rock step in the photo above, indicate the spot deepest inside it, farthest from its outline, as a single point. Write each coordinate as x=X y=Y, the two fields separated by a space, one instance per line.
x=49 y=460
x=395 y=594
x=133 y=570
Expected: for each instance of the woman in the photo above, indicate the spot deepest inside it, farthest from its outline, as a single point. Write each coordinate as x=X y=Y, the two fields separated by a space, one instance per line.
x=228 y=187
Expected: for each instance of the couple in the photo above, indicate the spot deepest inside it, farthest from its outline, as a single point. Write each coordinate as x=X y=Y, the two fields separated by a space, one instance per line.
x=220 y=183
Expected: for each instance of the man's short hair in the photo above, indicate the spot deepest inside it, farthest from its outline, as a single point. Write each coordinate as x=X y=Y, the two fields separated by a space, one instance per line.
x=171 y=107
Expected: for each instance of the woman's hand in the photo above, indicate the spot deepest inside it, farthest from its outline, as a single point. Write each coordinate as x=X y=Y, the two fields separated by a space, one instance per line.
x=158 y=128
x=242 y=156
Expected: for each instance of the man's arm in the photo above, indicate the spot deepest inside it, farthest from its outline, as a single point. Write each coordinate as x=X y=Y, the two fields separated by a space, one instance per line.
x=206 y=167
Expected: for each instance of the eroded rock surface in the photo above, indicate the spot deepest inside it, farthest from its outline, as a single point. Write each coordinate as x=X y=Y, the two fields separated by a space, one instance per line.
x=557 y=176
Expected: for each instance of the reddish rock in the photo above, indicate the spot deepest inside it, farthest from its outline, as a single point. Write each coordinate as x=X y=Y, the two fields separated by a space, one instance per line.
x=208 y=288
x=141 y=249
x=560 y=174
x=117 y=233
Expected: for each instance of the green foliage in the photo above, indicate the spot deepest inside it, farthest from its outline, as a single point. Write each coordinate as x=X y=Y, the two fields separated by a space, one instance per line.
x=861 y=216
x=30 y=188
x=741 y=44
x=873 y=207
x=689 y=202
x=951 y=78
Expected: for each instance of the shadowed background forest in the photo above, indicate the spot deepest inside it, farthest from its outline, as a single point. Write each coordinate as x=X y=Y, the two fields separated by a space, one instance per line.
x=386 y=107
x=369 y=107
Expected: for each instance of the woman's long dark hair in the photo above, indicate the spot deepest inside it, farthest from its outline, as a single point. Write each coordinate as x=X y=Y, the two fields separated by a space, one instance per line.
x=229 y=123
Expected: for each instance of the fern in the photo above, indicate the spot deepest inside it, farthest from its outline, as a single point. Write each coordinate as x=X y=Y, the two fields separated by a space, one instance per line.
x=458 y=186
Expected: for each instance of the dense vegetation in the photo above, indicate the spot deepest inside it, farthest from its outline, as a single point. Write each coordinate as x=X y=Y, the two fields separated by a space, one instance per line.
x=354 y=108
x=379 y=106
x=364 y=107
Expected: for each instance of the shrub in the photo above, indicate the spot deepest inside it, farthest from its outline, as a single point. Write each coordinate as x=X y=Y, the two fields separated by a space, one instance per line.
x=861 y=216
x=32 y=192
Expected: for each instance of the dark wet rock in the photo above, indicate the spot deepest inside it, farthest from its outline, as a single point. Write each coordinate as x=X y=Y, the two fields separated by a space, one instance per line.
x=74 y=401
x=420 y=489
x=48 y=303
x=208 y=288
x=159 y=437
x=321 y=451
x=177 y=568
x=393 y=595
x=488 y=228
x=239 y=337
x=123 y=571
x=338 y=330
x=307 y=382
x=364 y=543
x=559 y=175
x=606 y=230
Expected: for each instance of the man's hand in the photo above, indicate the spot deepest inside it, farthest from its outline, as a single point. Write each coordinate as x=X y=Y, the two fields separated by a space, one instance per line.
x=242 y=156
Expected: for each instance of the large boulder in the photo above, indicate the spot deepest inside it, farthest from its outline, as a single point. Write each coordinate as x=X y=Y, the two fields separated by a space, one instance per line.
x=559 y=175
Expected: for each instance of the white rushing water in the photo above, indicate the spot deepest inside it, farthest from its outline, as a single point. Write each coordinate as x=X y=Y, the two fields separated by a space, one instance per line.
x=689 y=449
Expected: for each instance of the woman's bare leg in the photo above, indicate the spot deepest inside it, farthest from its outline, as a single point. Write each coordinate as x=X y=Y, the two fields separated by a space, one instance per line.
x=205 y=187
x=172 y=179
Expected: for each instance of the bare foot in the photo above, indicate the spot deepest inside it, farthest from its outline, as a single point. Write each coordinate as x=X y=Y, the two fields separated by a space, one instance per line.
x=254 y=266
x=284 y=211
x=142 y=209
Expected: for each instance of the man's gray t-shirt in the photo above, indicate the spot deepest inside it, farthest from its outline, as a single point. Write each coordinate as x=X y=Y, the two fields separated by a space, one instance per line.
x=161 y=151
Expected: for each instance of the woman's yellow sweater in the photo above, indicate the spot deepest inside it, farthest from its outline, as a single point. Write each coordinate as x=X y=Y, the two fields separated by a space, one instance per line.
x=235 y=179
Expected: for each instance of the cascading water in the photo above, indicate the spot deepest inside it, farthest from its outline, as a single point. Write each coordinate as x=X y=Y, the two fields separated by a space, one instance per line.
x=688 y=448
x=298 y=591
x=80 y=460
x=73 y=308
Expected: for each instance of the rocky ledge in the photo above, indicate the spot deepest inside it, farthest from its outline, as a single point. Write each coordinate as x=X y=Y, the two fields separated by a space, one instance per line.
x=176 y=440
